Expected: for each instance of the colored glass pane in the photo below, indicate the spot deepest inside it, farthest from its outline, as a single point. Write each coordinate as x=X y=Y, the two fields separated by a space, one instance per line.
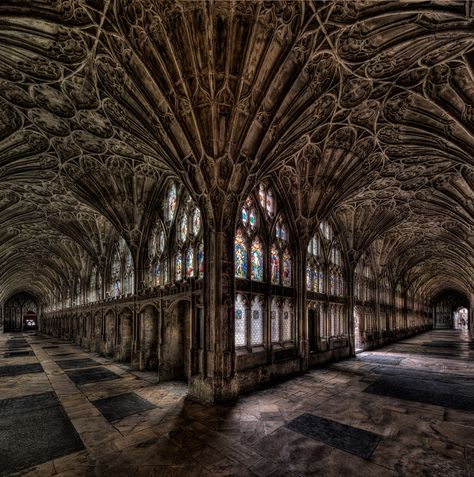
x=256 y=260
x=252 y=219
x=190 y=262
x=165 y=271
x=275 y=325
x=287 y=321
x=286 y=269
x=275 y=265
x=256 y=324
x=308 y=277
x=240 y=332
x=158 y=274
x=270 y=203
x=171 y=202
x=179 y=267
x=240 y=256
x=161 y=241
x=196 y=221
x=321 y=281
x=245 y=216
x=316 y=280
x=261 y=195
x=201 y=260
x=183 y=228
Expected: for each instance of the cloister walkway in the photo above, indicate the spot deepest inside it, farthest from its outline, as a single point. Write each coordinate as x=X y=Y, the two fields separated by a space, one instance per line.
x=406 y=409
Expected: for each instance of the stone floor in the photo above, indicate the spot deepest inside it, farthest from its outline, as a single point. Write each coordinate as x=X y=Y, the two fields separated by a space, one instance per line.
x=404 y=410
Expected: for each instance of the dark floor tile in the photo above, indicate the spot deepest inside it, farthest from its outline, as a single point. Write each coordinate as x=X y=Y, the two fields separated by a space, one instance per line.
x=454 y=394
x=17 y=345
x=118 y=407
x=91 y=375
x=34 y=429
x=347 y=438
x=14 y=354
x=76 y=363
x=391 y=360
x=17 y=369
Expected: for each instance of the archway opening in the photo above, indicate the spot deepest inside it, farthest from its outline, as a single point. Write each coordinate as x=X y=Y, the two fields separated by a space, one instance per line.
x=30 y=321
x=357 y=329
x=450 y=310
x=176 y=349
x=461 y=319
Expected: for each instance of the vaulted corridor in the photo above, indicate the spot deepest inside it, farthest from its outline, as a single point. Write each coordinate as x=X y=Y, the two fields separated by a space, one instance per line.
x=405 y=409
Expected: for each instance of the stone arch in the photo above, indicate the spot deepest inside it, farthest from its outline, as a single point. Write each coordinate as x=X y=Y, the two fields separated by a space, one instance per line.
x=125 y=335
x=176 y=342
x=148 y=333
x=109 y=333
x=97 y=332
x=358 y=327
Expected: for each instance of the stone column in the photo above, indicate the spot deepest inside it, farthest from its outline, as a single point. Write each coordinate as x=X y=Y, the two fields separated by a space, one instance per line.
x=217 y=381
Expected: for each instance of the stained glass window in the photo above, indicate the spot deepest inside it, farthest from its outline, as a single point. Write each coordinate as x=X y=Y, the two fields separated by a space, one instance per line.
x=240 y=256
x=245 y=216
x=165 y=270
x=266 y=199
x=256 y=323
x=316 y=279
x=277 y=230
x=332 y=283
x=308 y=277
x=275 y=322
x=93 y=285
x=116 y=287
x=190 y=262
x=161 y=241
x=115 y=272
x=287 y=269
x=158 y=274
x=275 y=264
x=153 y=246
x=252 y=219
x=321 y=281
x=257 y=260
x=270 y=203
x=196 y=221
x=179 y=267
x=201 y=260
x=261 y=195
x=171 y=202
x=288 y=317
x=240 y=322
x=183 y=228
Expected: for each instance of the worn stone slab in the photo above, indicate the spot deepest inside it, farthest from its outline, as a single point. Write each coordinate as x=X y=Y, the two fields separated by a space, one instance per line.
x=34 y=429
x=123 y=405
x=390 y=360
x=17 y=369
x=14 y=354
x=76 y=363
x=439 y=389
x=347 y=438
x=91 y=375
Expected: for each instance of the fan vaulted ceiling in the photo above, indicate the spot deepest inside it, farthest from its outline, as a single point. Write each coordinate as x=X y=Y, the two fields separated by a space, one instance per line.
x=361 y=110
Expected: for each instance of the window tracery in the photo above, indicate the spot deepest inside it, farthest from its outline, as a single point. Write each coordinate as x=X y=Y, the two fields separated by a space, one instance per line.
x=122 y=271
x=262 y=255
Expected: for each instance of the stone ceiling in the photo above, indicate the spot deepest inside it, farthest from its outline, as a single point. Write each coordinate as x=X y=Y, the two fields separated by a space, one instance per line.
x=361 y=110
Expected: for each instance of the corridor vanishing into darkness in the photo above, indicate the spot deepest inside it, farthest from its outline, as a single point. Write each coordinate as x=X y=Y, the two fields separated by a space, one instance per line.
x=405 y=409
